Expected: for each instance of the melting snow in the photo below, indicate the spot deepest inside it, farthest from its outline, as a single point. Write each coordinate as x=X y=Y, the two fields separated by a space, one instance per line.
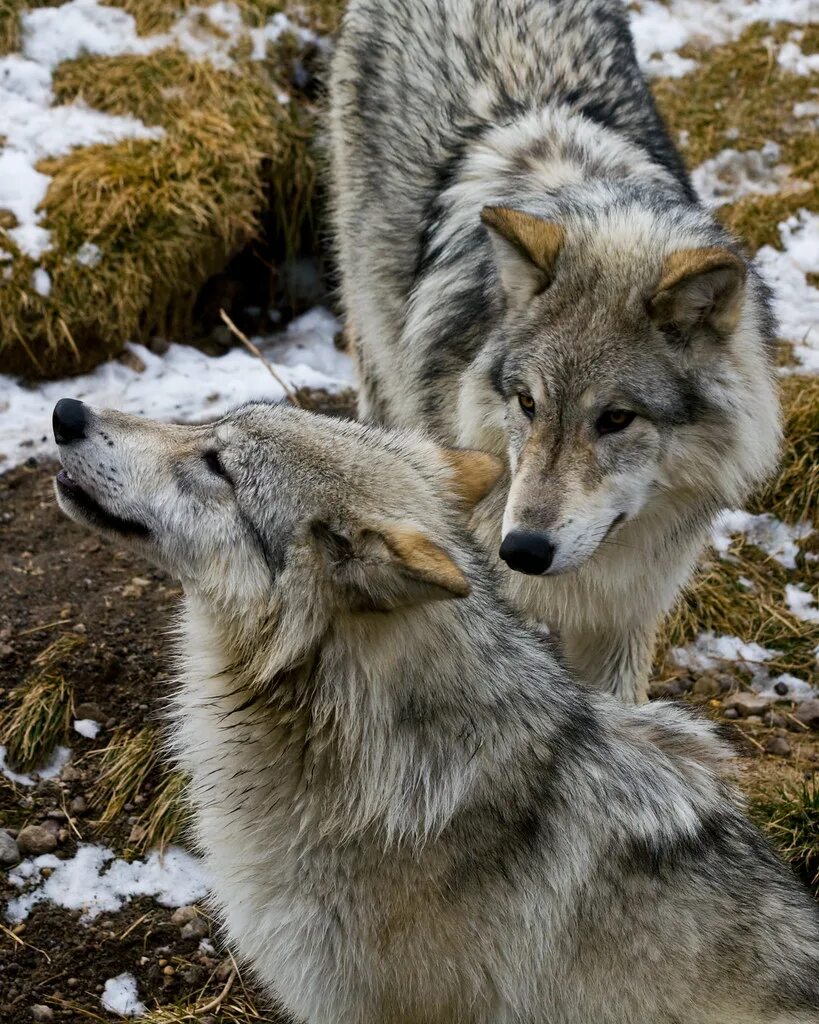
x=711 y=651
x=801 y=603
x=791 y=58
x=182 y=385
x=732 y=174
x=777 y=539
x=662 y=27
x=94 y=881
x=60 y=758
x=796 y=303
x=87 y=727
x=120 y=996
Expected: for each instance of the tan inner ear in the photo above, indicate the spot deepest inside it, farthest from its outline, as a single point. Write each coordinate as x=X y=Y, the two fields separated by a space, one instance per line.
x=689 y=262
x=539 y=240
x=474 y=473
x=424 y=560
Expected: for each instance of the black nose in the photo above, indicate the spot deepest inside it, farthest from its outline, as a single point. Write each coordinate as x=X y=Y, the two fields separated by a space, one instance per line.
x=69 y=421
x=527 y=552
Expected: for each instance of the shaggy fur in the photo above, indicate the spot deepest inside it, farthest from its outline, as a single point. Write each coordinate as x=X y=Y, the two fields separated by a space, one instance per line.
x=521 y=253
x=409 y=813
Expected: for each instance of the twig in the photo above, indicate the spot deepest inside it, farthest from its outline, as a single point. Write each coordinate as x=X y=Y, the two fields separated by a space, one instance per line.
x=248 y=344
x=750 y=739
x=793 y=718
x=217 y=1001
x=47 y=625
x=22 y=942
x=134 y=924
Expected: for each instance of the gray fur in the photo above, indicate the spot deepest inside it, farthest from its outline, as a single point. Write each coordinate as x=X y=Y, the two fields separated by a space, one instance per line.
x=440 y=108
x=409 y=812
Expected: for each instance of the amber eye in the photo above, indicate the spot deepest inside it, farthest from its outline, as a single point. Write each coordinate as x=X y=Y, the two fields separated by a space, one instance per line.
x=527 y=403
x=613 y=420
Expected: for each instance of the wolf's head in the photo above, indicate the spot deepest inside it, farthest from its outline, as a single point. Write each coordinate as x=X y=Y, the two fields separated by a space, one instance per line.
x=272 y=511
x=630 y=370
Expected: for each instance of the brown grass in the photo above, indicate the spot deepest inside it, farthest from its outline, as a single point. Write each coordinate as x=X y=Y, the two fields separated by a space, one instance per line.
x=167 y=214
x=39 y=713
x=127 y=764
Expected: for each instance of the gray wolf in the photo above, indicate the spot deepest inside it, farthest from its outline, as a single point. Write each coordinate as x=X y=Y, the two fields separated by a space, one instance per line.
x=409 y=812
x=525 y=270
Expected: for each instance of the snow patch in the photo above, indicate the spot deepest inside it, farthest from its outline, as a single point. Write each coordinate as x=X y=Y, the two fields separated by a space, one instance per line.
x=777 y=539
x=120 y=996
x=790 y=58
x=796 y=303
x=661 y=28
x=183 y=385
x=801 y=603
x=87 y=727
x=94 y=881
x=731 y=174
x=51 y=770
x=88 y=255
x=712 y=651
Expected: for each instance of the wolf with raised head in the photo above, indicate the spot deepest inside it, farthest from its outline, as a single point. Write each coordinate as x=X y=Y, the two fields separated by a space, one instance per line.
x=525 y=270
x=409 y=812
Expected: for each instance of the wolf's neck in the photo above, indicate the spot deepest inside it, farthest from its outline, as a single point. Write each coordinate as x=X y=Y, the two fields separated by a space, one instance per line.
x=393 y=726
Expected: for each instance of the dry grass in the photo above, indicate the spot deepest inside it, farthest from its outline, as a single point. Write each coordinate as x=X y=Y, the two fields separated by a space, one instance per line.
x=39 y=714
x=168 y=214
x=792 y=822
x=128 y=762
x=166 y=818
x=738 y=96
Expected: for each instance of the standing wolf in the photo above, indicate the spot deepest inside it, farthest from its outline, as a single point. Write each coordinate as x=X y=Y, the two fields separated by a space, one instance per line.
x=526 y=270
x=409 y=813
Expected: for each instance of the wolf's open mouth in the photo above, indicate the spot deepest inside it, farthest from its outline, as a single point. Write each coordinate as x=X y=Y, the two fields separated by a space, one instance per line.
x=92 y=511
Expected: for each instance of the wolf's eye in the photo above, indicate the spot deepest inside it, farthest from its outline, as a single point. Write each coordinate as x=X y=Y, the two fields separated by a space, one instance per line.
x=214 y=463
x=613 y=420
x=527 y=403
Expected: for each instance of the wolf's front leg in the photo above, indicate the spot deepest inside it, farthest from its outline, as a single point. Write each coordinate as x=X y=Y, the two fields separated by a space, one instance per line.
x=615 y=661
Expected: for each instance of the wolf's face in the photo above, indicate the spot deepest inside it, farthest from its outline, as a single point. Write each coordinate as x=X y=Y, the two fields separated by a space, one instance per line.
x=604 y=365
x=273 y=510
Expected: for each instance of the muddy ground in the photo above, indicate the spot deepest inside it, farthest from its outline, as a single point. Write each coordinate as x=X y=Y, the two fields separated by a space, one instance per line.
x=57 y=579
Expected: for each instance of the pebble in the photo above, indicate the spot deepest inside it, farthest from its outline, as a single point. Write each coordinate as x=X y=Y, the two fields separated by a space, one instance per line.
x=778 y=745
x=78 y=806
x=773 y=718
x=71 y=774
x=747 y=703
x=730 y=713
x=808 y=713
x=706 y=686
x=184 y=915
x=781 y=689
x=9 y=850
x=196 y=929
x=34 y=840
x=41 y=1013
x=89 y=710
x=663 y=690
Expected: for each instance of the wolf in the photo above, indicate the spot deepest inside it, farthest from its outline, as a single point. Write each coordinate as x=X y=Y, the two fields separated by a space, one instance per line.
x=525 y=269
x=409 y=812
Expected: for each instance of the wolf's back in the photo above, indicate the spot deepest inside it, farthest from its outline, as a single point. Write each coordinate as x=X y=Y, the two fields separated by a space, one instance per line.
x=417 y=80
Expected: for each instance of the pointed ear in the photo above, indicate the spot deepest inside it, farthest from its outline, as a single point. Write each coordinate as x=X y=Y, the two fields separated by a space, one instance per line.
x=698 y=287
x=474 y=473
x=526 y=250
x=390 y=567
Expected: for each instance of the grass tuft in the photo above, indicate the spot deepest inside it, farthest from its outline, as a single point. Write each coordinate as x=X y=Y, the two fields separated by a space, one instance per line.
x=792 y=822
x=127 y=763
x=39 y=715
x=167 y=816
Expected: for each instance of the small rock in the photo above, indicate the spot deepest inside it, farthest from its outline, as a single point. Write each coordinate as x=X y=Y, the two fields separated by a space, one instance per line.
x=781 y=689
x=56 y=814
x=224 y=970
x=808 y=713
x=78 y=806
x=184 y=915
x=730 y=713
x=89 y=710
x=41 y=1013
x=774 y=719
x=778 y=745
x=71 y=774
x=35 y=839
x=196 y=929
x=52 y=825
x=79 y=627
x=706 y=686
x=747 y=703
x=9 y=851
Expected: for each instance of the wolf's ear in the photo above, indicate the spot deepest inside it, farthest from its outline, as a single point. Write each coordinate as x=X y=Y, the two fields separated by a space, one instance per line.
x=526 y=250
x=474 y=473
x=389 y=567
x=698 y=287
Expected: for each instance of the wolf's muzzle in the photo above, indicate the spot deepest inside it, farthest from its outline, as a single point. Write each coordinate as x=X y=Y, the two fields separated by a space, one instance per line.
x=69 y=421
